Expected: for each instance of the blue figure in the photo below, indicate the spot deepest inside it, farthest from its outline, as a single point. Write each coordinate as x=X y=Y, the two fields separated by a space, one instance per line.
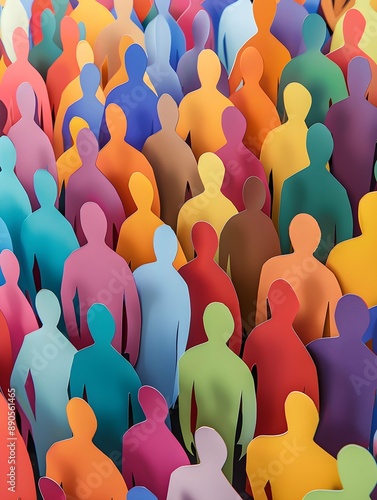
x=166 y=312
x=160 y=72
x=178 y=41
x=89 y=108
x=215 y=10
x=5 y=244
x=104 y=375
x=137 y=100
x=140 y=493
x=47 y=240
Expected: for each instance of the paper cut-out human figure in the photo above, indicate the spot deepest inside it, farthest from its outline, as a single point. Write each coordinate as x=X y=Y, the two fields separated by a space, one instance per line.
x=205 y=479
x=260 y=242
x=275 y=341
x=96 y=271
x=13 y=16
x=42 y=56
x=317 y=289
x=200 y=111
x=315 y=191
x=16 y=476
x=210 y=205
x=175 y=182
x=239 y=162
x=89 y=184
x=352 y=261
x=17 y=73
x=50 y=489
x=165 y=307
x=135 y=243
x=47 y=239
x=82 y=469
x=61 y=9
x=299 y=465
x=34 y=150
x=178 y=40
x=258 y=109
x=354 y=145
x=137 y=100
x=185 y=21
x=287 y=25
x=48 y=356
x=323 y=78
x=207 y=283
x=163 y=77
x=266 y=44
x=345 y=367
x=140 y=493
x=219 y=376
x=116 y=381
x=358 y=473
x=237 y=25
x=284 y=150
x=150 y=451
x=95 y=18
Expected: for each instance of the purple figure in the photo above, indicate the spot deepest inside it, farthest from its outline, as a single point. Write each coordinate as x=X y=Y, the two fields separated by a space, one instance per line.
x=347 y=373
x=34 y=150
x=239 y=162
x=353 y=124
x=89 y=184
x=150 y=451
x=95 y=273
x=287 y=25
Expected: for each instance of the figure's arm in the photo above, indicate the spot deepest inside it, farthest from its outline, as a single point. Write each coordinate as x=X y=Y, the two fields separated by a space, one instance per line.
x=18 y=379
x=28 y=264
x=184 y=231
x=224 y=250
x=286 y=215
x=335 y=294
x=186 y=387
x=183 y=125
x=282 y=84
x=68 y=292
x=344 y=222
x=133 y=314
x=261 y=312
x=76 y=381
x=182 y=338
x=248 y=412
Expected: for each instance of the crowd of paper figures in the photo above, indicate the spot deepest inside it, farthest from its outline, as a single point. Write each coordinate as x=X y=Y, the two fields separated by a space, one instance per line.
x=188 y=236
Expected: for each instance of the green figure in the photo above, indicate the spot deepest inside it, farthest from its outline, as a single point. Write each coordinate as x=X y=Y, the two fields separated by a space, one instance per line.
x=322 y=77
x=221 y=384
x=358 y=473
x=316 y=192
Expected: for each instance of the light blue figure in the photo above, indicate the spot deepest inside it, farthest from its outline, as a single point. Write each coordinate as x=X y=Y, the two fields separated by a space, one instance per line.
x=140 y=493
x=47 y=356
x=106 y=376
x=5 y=244
x=89 y=108
x=215 y=10
x=14 y=201
x=236 y=26
x=161 y=74
x=47 y=240
x=166 y=313
x=178 y=41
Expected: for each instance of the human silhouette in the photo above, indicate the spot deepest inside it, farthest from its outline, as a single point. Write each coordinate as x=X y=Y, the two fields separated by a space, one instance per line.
x=175 y=182
x=243 y=262
x=219 y=376
x=77 y=464
x=323 y=78
x=166 y=312
x=317 y=290
x=206 y=478
x=287 y=25
x=95 y=18
x=140 y=493
x=186 y=19
x=300 y=468
x=96 y=271
x=150 y=451
x=315 y=191
x=178 y=40
x=116 y=381
x=47 y=355
x=34 y=150
x=13 y=16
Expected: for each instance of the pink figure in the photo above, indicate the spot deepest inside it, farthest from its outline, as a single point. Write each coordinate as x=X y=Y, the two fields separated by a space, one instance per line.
x=98 y=274
x=186 y=20
x=34 y=150
x=150 y=451
x=6 y=358
x=239 y=162
x=22 y=71
x=89 y=184
x=50 y=490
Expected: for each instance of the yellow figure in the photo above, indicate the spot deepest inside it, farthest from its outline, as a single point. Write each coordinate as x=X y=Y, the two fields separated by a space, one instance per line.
x=200 y=111
x=135 y=242
x=210 y=205
x=292 y=463
x=94 y=16
x=353 y=261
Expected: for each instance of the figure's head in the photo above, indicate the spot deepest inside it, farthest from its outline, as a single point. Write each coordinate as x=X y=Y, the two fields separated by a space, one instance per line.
x=211 y=448
x=209 y=68
x=167 y=112
x=84 y=54
x=357 y=470
x=352 y=316
x=319 y=144
x=116 y=121
x=254 y=194
x=366 y=212
x=101 y=324
x=136 y=61
x=153 y=404
x=283 y=301
x=45 y=188
x=314 y=32
x=264 y=13
x=123 y=8
x=82 y=419
x=48 y=308
x=201 y=27
x=48 y=24
x=353 y=27
x=211 y=171
x=20 y=44
x=218 y=322
x=301 y=414
x=93 y=222
x=165 y=244
x=251 y=65
x=69 y=32
x=204 y=240
x=10 y=266
x=297 y=101
x=75 y=125
x=359 y=76
x=233 y=124
x=90 y=79
x=141 y=191
x=26 y=100
x=305 y=234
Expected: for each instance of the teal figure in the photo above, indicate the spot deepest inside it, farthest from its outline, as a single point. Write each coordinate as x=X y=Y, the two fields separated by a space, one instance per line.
x=105 y=376
x=316 y=192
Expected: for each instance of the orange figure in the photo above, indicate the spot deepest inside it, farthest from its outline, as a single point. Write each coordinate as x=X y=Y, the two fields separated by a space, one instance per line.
x=258 y=109
x=22 y=71
x=316 y=287
x=118 y=160
x=94 y=16
x=78 y=465
x=274 y=54
x=200 y=111
x=333 y=10
x=135 y=242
